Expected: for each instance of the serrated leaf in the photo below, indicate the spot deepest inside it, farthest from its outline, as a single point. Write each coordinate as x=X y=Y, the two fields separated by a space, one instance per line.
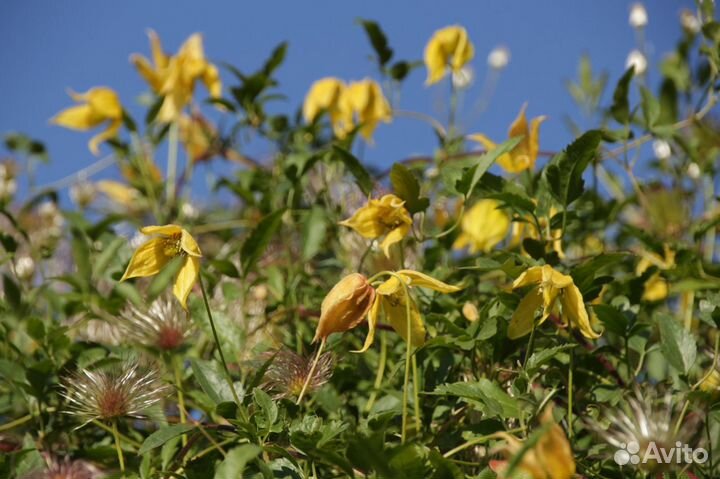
x=406 y=186
x=677 y=344
x=163 y=435
x=255 y=244
x=480 y=164
x=564 y=172
x=487 y=395
x=212 y=380
x=362 y=177
x=543 y=356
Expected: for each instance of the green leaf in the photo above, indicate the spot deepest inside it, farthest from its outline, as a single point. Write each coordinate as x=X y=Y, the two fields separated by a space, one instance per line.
x=268 y=407
x=81 y=257
x=163 y=435
x=276 y=58
x=613 y=320
x=235 y=461
x=255 y=245
x=620 y=108
x=650 y=107
x=212 y=380
x=108 y=254
x=378 y=40
x=485 y=394
x=314 y=229
x=677 y=344
x=406 y=186
x=12 y=292
x=362 y=177
x=480 y=164
x=543 y=356
x=565 y=170
x=225 y=267
x=8 y=242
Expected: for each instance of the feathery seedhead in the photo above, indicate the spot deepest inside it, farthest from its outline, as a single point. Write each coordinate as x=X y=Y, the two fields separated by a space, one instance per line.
x=163 y=325
x=287 y=373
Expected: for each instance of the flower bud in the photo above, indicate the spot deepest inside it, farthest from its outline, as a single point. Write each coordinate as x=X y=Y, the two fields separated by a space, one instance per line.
x=24 y=267
x=637 y=60
x=662 y=150
x=345 y=306
x=463 y=78
x=470 y=311
x=693 y=171
x=638 y=16
x=498 y=58
x=690 y=22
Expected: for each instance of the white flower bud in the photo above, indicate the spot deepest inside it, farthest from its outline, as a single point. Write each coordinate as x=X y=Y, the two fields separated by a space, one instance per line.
x=638 y=16
x=638 y=60
x=24 y=267
x=499 y=58
x=693 y=171
x=662 y=150
x=189 y=211
x=463 y=78
x=689 y=21
x=82 y=193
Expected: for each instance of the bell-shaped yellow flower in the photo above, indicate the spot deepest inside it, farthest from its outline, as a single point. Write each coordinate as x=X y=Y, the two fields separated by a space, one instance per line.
x=549 y=286
x=448 y=47
x=524 y=155
x=345 y=306
x=656 y=287
x=97 y=106
x=393 y=300
x=325 y=96
x=174 y=77
x=366 y=100
x=386 y=216
x=550 y=458
x=482 y=227
x=168 y=242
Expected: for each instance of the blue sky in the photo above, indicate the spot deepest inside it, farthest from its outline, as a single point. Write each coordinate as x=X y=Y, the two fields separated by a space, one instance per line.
x=50 y=46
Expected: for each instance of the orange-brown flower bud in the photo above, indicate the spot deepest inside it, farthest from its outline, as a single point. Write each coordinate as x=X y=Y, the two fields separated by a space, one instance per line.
x=345 y=306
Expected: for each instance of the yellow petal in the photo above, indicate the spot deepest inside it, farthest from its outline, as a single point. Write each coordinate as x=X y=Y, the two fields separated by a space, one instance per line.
x=186 y=278
x=345 y=306
x=119 y=192
x=553 y=451
x=166 y=230
x=556 y=278
x=394 y=236
x=575 y=313
x=147 y=260
x=104 y=102
x=160 y=59
x=110 y=132
x=146 y=70
x=211 y=79
x=485 y=225
x=532 y=275
x=449 y=46
x=424 y=281
x=523 y=318
x=534 y=139
x=78 y=117
x=324 y=94
x=395 y=311
x=372 y=321
x=189 y=245
x=391 y=286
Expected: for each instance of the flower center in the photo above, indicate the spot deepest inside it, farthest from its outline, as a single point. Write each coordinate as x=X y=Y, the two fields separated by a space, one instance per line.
x=171 y=246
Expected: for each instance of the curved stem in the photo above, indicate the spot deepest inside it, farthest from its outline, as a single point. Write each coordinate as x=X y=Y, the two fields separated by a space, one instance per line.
x=570 y=394
x=408 y=342
x=312 y=371
x=16 y=422
x=476 y=441
x=416 y=398
x=118 y=449
x=380 y=372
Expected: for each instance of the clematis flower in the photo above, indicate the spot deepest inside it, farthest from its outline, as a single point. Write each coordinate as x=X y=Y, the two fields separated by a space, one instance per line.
x=345 y=306
x=656 y=287
x=366 y=100
x=549 y=458
x=325 y=96
x=549 y=286
x=392 y=299
x=174 y=77
x=168 y=242
x=448 y=47
x=524 y=155
x=483 y=226
x=99 y=105
x=386 y=216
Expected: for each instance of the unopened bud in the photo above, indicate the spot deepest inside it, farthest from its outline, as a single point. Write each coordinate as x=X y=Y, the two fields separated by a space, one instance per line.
x=470 y=312
x=689 y=21
x=638 y=16
x=693 y=171
x=24 y=267
x=499 y=58
x=345 y=306
x=636 y=59
x=662 y=150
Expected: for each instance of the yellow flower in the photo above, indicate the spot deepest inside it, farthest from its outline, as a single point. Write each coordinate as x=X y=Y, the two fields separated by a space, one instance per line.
x=550 y=458
x=549 y=286
x=325 y=95
x=393 y=299
x=524 y=155
x=483 y=226
x=449 y=46
x=168 y=242
x=97 y=106
x=345 y=306
x=656 y=287
x=366 y=100
x=198 y=136
x=386 y=216
x=174 y=77
x=123 y=195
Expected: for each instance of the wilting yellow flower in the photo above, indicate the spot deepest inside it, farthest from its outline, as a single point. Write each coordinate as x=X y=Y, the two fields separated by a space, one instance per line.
x=483 y=226
x=198 y=136
x=656 y=287
x=449 y=46
x=325 y=95
x=393 y=299
x=168 y=242
x=174 y=77
x=97 y=106
x=366 y=100
x=345 y=306
x=525 y=153
x=549 y=286
x=550 y=458
x=386 y=216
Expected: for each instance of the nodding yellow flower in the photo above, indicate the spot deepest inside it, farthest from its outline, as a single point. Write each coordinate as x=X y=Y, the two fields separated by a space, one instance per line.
x=325 y=95
x=345 y=306
x=365 y=99
x=120 y=193
x=549 y=286
x=482 y=227
x=174 y=77
x=97 y=106
x=386 y=216
x=656 y=287
x=524 y=155
x=550 y=458
x=449 y=46
x=393 y=299
x=168 y=242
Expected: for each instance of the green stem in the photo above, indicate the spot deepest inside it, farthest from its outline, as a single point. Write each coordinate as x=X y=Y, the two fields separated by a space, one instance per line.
x=17 y=422
x=125 y=439
x=570 y=394
x=416 y=399
x=118 y=449
x=228 y=378
x=312 y=371
x=172 y=162
x=180 y=396
x=477 y=440
x=380 y=372
x=408 y=342
x=531 y=343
